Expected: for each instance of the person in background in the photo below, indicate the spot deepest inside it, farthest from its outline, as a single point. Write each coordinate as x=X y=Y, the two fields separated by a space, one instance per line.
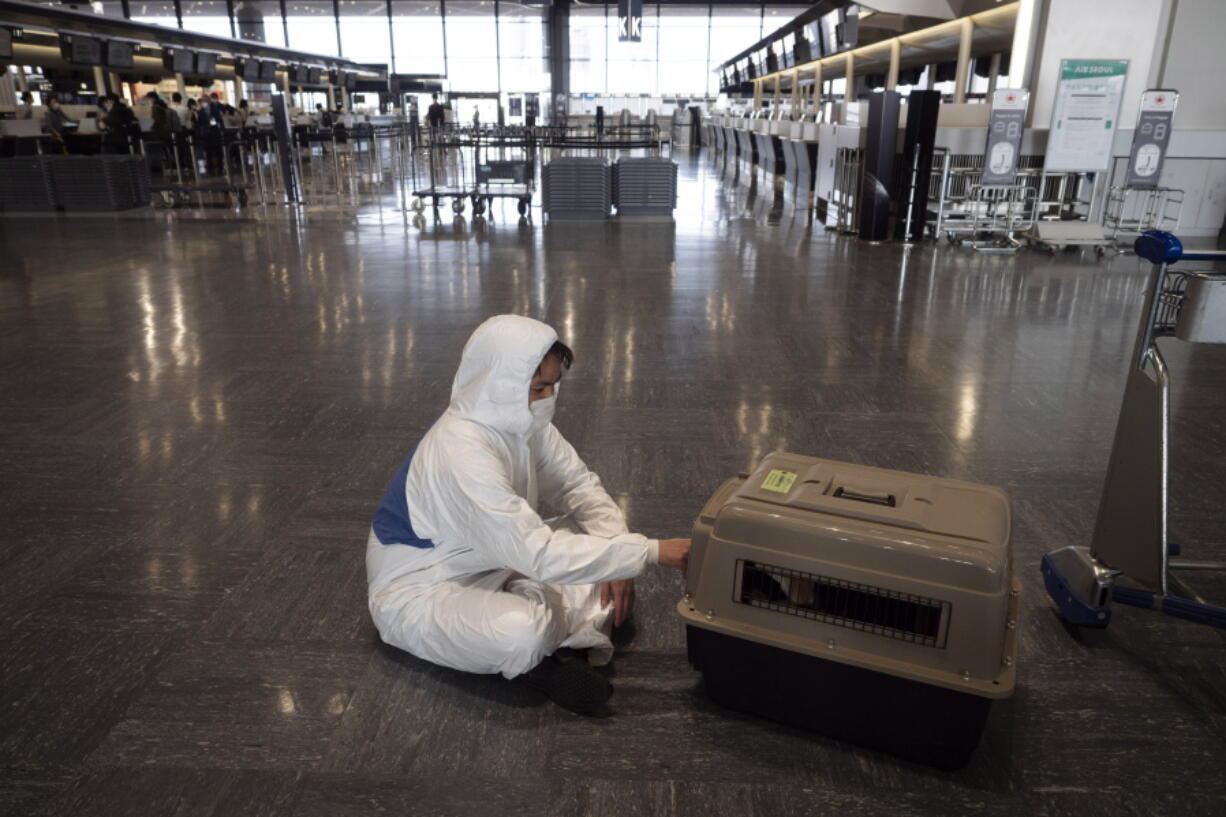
x=54 y=120
x=476 y=117
x=435 y=114
x=211 y=134
x=323 y=117
x=160 y=112
x=119 y=123
x=243 y=113
x=181 y=110
x=26 y=109
x=193 y=110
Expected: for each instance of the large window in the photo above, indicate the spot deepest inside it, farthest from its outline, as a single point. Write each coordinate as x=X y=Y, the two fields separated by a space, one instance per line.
x=589 y=37
x=312 y=26
x=684 y=68
x=521 y=30
x=272 y=29
x=682 y=44
x=207 y=17
x=417 y=33
x=365 y=36
x=735 y=28
x=633 y=67
x=159 y=13
x=472 y=46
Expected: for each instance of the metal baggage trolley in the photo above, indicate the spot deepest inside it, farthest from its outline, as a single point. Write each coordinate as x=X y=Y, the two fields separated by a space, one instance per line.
x=445 y=154
x=1130 y=537
x=505 y=179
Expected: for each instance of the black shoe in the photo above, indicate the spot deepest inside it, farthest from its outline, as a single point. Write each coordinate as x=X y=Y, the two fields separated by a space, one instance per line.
x=574 y=686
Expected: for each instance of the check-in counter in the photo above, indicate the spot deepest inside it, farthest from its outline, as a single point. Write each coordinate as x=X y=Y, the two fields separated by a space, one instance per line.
x=767 y=141
x=800 y=159
x=747 y=148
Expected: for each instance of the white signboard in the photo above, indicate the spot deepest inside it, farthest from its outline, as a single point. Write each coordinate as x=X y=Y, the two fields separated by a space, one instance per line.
x=1151 y=137
x=1004 y=144
x=1086 y=114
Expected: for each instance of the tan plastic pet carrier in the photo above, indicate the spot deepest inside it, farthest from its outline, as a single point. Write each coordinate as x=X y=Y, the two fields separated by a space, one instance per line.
x=874 y=606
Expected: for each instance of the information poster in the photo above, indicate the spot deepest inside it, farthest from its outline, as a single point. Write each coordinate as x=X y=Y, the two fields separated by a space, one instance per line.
x=1086 y=114
x=1004 y=146
x=1150 y=139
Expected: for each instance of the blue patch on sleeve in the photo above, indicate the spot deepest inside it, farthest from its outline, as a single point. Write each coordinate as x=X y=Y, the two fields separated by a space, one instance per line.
x=392 y=525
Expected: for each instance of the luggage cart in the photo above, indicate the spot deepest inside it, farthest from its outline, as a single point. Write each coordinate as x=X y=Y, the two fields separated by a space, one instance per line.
x=1130 y=536
x=442 y=142
x=505 y=179
x=1062 y=217
x=1134 y=210
x=190 y=189
x=843 y=212
x=996 y=215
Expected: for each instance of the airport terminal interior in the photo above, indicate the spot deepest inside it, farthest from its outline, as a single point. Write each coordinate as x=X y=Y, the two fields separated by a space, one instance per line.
x=906 y=315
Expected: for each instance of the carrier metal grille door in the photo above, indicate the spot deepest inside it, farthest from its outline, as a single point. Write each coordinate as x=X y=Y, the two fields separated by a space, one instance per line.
x=861 y=607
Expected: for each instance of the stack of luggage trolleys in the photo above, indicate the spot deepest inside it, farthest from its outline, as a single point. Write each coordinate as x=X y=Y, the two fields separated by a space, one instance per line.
x=577 y=187
x=645 y=186
x=873 y=606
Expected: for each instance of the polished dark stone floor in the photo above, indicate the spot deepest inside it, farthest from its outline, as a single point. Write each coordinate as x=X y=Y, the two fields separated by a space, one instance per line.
x=198 y=415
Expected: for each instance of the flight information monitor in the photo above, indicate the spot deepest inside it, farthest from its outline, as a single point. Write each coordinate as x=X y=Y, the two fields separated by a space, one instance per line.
x=206 y=64
x=119 y=54
x=80 y=50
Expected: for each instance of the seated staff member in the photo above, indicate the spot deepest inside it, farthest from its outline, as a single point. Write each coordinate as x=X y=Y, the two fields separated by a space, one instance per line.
x=462 y=570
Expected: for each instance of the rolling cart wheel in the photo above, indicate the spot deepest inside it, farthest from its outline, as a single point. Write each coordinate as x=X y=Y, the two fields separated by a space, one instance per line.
x=1099 y=252
x=949 y=237
x=478 y=207
x=418 y=205
x=523 y=206
x=457 y=206
x=1051 y=249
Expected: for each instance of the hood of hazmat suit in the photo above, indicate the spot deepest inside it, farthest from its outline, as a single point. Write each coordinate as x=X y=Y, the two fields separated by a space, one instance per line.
x=471 y=487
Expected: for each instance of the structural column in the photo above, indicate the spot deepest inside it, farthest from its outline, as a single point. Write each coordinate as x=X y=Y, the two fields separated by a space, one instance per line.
x=849 y=71
x=558 y=31
x=964 y=60
x=891 y=80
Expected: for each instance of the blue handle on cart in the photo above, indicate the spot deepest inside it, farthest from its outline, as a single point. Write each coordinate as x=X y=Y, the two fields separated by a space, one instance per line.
x=1194 y=611
x=1164 y=248
x=1133 y=596
x=1159 y=247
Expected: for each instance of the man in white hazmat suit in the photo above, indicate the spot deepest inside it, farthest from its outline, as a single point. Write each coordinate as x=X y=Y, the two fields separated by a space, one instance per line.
x=463 y=572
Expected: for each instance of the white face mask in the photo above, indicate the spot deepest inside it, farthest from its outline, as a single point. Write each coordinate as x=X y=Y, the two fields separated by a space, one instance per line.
x=542 y=412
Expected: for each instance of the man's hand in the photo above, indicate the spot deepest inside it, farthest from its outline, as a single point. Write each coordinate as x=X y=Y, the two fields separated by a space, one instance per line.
x=622 y=594
x=675 y=553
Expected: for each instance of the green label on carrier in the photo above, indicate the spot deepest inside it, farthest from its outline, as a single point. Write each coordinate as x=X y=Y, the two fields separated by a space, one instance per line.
x=778 y=481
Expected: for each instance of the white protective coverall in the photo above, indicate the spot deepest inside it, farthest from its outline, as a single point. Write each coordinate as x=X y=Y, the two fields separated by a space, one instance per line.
x=483 y=584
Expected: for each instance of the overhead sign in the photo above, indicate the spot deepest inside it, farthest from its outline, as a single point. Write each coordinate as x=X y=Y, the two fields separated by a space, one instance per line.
x=1150 y=139
x=1004 y=145
x=630 y=20
x=1086 y=114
